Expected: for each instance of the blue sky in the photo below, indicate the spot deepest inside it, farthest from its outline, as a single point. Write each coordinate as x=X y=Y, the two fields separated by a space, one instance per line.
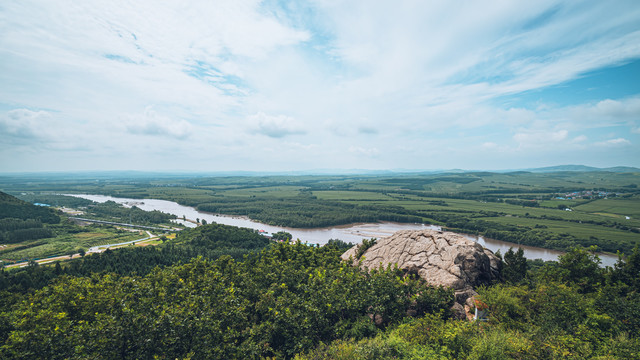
x=287 y=86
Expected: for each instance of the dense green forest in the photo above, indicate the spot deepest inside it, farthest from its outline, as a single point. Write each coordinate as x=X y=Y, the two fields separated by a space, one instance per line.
x=282 y=300
x=11 y=207
x=55 y=200
x=307 y=211
x=112 y=211
x=287 y=300
x=21 y=221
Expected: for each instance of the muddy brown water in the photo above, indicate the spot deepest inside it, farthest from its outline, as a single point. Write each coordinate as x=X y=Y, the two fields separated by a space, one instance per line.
x=350 y=233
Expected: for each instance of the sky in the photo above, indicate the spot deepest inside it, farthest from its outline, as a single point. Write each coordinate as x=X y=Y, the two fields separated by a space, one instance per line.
x=230 y=85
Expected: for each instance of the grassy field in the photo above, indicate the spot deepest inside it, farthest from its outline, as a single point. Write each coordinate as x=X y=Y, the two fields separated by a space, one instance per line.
x=352 y=196
x=613 y=207
x=583 y=231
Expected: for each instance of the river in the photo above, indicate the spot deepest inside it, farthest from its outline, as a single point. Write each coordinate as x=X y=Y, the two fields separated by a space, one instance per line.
x=350 y=233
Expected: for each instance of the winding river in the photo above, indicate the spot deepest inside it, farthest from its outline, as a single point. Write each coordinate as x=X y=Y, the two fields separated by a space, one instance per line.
x=349 y=233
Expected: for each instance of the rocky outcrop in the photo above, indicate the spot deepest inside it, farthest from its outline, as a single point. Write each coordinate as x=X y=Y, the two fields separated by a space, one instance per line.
x=440 y=258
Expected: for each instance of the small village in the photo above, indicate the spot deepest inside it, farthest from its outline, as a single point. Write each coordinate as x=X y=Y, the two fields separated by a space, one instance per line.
x=587 y=194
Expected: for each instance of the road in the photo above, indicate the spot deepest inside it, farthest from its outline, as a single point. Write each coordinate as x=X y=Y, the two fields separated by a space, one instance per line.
x=101 y=248
x=92 y=250
x=123 y=224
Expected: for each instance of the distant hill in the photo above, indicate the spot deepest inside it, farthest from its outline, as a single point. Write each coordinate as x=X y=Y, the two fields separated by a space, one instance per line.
x=582 y=168
x=11 y=207
x=622 y=169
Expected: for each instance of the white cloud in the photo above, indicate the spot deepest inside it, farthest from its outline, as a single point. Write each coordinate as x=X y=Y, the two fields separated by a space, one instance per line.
x=579 y=139
x=614 y=142
x=152 y=123
x=274 y=126
x=607 y=111
x=418 y=72
x=539 y=138
x=364 y=151
x=23 y=125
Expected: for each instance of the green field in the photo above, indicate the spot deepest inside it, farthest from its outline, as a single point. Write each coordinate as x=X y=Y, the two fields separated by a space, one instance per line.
x=617 y=207
x=582 y=231
x=352 y=196
x=66 y=244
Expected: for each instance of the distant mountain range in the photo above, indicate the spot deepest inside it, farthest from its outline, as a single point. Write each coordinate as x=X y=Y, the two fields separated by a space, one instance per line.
x=582 y=168
x=114 y=174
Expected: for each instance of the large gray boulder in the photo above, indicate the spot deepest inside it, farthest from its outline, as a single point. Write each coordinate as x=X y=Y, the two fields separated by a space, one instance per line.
x=439 y=257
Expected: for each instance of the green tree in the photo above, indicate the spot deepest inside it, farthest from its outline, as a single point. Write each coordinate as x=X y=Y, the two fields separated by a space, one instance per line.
x=627 y=270
x=282 y=235
x=514 y=268
x=582 y=267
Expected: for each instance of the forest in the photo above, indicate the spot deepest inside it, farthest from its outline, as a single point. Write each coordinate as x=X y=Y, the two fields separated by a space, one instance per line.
x=289 y=300
x=112 y=211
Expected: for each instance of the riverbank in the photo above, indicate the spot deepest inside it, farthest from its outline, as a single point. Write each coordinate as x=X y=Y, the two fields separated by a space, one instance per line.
x=349 y=233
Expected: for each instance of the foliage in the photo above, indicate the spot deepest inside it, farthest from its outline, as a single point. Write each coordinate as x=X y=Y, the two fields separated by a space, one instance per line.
x=282 y=235
x=339 y=244
x=627 y=271
x=110 y=210
x=210 y=242
x=23 y=230
x=282 y=302
x=545 y=318
x=366 y=245
x=306 y=211
x=10 y=207
x=56 y=200
x=247 y=299
x=514 y=267
x=290 y=300
x=581 y=267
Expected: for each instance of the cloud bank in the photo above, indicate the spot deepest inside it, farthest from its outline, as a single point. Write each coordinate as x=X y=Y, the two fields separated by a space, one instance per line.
x=248 y=84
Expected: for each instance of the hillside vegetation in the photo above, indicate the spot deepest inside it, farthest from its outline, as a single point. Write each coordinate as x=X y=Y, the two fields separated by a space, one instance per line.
x=295 y=301
x=283 y=300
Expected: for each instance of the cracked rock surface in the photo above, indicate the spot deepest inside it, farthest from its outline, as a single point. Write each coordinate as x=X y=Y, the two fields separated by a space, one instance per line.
x=439 y=257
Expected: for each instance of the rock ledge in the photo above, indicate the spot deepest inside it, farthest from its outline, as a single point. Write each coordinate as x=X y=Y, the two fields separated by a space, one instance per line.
x=440 y=258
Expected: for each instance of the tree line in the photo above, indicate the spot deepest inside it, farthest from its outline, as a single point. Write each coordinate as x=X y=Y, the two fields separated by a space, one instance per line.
x=307 y=212
x=114 y=211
